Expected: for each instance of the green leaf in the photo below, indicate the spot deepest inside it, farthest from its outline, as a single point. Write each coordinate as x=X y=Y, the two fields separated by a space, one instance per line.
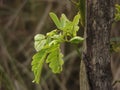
x=56 y=38
x=63 y=20
x=55 y=60
x=37 y=64
x=117 y=14
x=55 y=19
x=70 y=27
x=53 y=42
x=53 y=32
x=39 y=37
x=76 y=40
x=75 y=29
x=39 y=42
x=52 y=48
x=75 y=24
x=76 y=19
x=115 y=47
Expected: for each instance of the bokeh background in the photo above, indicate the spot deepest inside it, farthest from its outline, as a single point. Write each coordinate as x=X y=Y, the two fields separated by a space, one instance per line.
x=20 y=21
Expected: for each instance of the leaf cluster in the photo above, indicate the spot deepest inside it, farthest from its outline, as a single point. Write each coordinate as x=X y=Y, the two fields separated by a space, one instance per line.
x=117 y=14
x=114 y=46
x=48 y=46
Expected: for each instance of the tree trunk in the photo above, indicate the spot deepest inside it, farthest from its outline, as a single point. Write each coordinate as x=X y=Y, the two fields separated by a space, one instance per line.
x=96 y=54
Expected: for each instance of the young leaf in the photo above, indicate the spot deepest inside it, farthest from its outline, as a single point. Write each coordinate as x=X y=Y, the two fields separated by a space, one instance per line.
x=39 y=45
x=39 y=42
x=115 y=47
x=55 y=60
x=74 y=31
x=117 y=14
x=52 y=48
x=63 y=20
x=37 y=64
x=53 y=42
x=39 y=37
x=76 y=19
x=53 y=32
x=55 y=19
x=76 y=40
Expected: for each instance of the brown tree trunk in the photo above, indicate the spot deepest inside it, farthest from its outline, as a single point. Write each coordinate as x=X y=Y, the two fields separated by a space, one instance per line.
x=96 y=54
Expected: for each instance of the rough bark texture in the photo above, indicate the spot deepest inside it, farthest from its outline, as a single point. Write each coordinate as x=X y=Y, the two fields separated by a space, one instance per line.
x=96 y=53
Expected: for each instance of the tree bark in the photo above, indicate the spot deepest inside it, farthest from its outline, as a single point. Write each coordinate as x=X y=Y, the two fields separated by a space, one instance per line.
x=96 y=54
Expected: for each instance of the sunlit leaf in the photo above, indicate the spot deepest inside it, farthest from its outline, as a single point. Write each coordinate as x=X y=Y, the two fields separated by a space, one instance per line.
x=76 y=40
x=39 y=37
x=63 y=20
x=39 y=42
x=117 y=14
x=55 y=60
x=53 y=32
x=37 y=64
x=55 y=19
x=76 y=19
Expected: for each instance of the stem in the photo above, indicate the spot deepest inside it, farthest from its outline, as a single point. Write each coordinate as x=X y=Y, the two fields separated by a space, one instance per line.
x=79 y=53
